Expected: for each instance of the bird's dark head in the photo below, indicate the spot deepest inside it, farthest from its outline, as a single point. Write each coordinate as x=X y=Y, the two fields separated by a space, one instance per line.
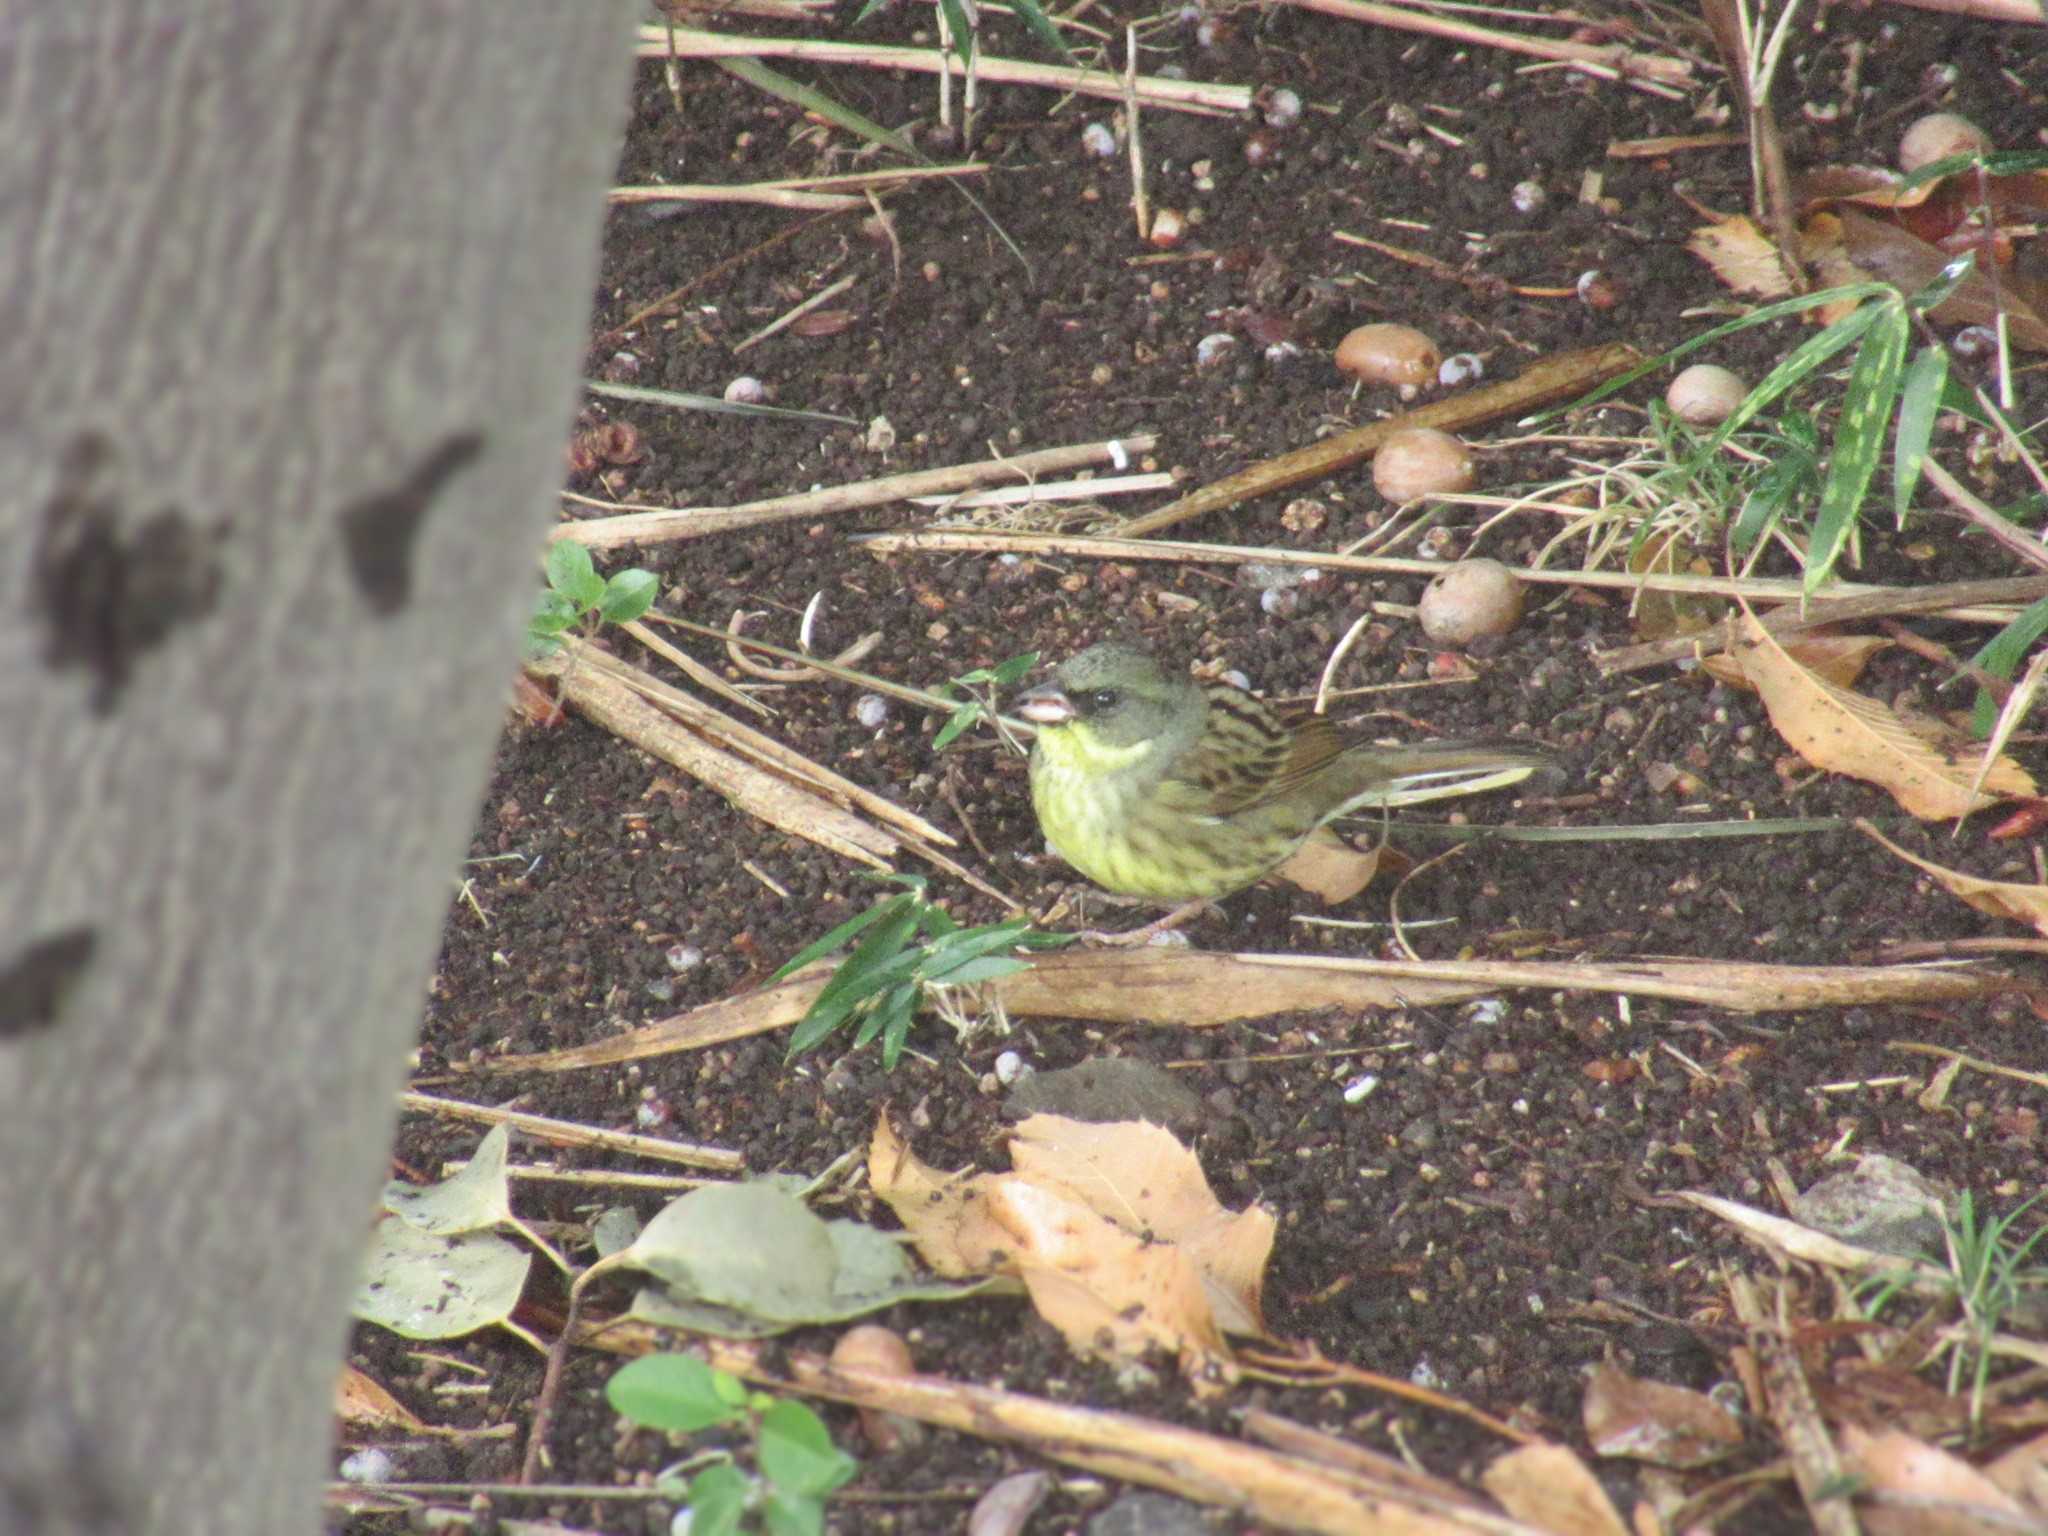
x=1113 y=698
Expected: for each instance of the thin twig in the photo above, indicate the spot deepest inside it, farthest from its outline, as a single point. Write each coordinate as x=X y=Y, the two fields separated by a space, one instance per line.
x=664 y=524
x=1650 y=72
x=1178 y=95
x=832 y=291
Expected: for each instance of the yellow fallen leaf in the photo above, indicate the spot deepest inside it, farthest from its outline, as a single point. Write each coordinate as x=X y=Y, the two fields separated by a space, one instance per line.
x=1844 y=732
x=1329 y=868
x=1112 y=1228
x=1837 y=659
x=1742 y=256
x=2021 y=903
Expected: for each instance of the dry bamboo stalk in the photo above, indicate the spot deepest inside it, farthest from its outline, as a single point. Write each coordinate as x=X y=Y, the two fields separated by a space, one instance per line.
x=1646 y=70
x=1270 y=1487
x=1555 y=378
x=1979 y=602
x=1828 y=607
x=669 y=523
x=621 y=709
x=1198 y=989
x=1179 y=95
x=850 y=182
x=764 y=749
x=751 y=193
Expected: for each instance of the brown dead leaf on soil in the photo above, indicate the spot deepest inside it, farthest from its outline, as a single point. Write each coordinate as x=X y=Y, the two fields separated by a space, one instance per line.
x=1329 y=868
x=1835 y=659
x=1550 y=1488
x=1844 y=732
x=1656 y=1422
x=1999 y=898
x=1936 y=1494
x=1112 y=1228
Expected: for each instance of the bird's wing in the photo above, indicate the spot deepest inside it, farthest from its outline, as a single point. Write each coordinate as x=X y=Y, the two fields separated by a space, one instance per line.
x=1247 y=756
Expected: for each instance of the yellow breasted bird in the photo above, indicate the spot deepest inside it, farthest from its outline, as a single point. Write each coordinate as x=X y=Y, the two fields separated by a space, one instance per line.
x=1155 y=785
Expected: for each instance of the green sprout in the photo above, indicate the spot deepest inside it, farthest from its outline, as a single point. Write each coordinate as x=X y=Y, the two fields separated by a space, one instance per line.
x=980 y=686
x=798 y=1466
x=1988 y=1277
x=578 y=598
x=907 y=947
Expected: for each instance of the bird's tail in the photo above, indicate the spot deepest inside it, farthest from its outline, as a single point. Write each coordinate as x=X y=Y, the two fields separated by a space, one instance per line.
x=1441 y=770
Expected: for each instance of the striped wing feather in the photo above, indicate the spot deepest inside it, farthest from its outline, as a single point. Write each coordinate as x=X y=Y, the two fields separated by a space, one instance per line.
x=1249 y=756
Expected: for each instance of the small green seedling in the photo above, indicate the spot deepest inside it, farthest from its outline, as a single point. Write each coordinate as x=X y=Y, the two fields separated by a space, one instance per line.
x=906 y=946
x=798 y=1466
x=1991 y=1274
x=980 y=686
x=578 y=598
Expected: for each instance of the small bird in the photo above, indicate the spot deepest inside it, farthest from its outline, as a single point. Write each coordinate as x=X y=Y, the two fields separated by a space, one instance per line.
x=1155 y=785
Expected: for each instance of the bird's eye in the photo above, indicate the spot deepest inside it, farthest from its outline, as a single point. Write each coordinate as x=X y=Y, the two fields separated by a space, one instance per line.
x=1105 y=698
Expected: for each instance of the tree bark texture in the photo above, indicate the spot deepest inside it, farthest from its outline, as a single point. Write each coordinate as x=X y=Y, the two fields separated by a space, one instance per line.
x=291 y=299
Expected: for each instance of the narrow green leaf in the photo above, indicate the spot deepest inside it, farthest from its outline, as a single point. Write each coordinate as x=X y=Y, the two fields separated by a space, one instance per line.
x=1919 y=398
x=1950 y=278
x=2000 y=657
x=1784 y=307
x=982 y=968
x=893 y=1017
x=877 y=956
x=571 y=573
x=1014 y=669
x=675 y=1393
x=775 y=83
x=818 y=949
x=1042 y=28
x=962 y=719
x=678 y=400
x=628 y=595
x=961 y=33
x=1810 y=355
x=1867 y=402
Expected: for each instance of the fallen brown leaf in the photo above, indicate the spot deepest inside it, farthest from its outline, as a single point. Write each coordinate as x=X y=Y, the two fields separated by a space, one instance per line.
x=1999 y=898
x=1112 y=1228
x=1844 y=732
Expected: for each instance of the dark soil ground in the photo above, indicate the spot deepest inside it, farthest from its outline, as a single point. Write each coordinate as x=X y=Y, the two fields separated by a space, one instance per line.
x=1483 y=1219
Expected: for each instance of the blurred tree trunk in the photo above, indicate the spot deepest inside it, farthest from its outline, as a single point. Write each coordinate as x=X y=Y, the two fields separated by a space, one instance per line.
x=292 y=294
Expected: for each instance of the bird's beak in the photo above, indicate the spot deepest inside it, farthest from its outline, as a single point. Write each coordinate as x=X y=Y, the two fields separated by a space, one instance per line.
x=1045 y=705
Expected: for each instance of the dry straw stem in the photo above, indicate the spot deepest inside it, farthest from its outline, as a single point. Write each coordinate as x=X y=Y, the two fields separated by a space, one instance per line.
x=1656 y=73
x=566 y=1133
x=1177 y=95
x=820 y=192
x=1278 y=1490
x=1197 y=990
x=764 y=749
x=1816 y=1465
x=1555 y=378
x=1766 y=589
x=1980 y=602
x=672 y=523
x=621 y=699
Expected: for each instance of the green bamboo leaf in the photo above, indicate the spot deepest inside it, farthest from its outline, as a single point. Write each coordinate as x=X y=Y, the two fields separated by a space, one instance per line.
x=962 y=719
x=1919 y=402
x=775 y=83
x=818 y=949
x=1867 y=402
x=2000 y=657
